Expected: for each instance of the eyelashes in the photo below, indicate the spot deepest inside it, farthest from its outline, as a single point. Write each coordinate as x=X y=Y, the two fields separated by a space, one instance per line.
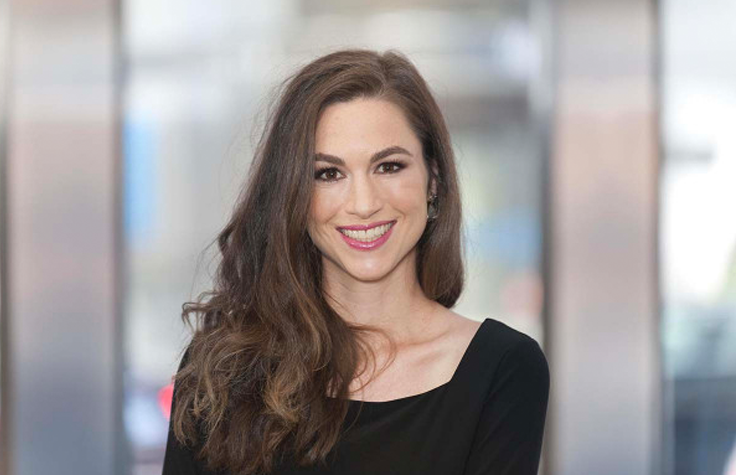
x=328 y=174
x=319 y=174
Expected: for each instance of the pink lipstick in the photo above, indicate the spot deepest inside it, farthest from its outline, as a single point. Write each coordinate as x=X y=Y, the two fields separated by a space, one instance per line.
x=365 y=227
x=367 y=246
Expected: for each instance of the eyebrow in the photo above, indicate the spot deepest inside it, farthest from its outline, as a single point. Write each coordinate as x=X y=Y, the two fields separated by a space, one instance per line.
x=326 y=157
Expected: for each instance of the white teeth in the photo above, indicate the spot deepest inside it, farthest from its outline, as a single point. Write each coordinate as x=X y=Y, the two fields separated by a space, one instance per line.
x=367 y=236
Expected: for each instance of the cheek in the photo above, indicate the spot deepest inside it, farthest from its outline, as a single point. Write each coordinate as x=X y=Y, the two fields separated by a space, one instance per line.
x=407 y=195
x=321 y=207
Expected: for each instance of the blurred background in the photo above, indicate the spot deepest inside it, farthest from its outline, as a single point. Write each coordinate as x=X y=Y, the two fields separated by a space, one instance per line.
x=597 y=162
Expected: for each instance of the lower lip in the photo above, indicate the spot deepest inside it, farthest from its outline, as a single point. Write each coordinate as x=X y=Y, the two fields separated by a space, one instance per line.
x=367 y=246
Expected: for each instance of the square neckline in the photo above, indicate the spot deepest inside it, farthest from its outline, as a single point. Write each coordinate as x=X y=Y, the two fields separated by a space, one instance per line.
x=463 y=361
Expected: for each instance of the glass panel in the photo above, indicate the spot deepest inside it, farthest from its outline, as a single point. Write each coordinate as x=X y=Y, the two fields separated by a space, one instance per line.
x=199 y=73
x=698 y=235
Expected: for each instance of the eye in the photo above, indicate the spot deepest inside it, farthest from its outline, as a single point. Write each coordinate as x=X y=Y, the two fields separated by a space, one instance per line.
x=327 y=174
x=391 y=167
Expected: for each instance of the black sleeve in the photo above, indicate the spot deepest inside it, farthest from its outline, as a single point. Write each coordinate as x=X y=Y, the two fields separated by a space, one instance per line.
x=178 y=459
x=508 y=439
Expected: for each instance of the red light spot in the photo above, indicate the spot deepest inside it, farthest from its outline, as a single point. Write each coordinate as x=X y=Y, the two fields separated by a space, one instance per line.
x=165 y=395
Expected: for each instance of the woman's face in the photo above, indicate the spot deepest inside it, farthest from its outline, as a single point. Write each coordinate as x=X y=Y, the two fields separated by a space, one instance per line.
x=369 y=172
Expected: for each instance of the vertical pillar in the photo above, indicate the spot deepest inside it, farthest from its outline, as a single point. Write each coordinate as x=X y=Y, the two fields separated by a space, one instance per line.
x=61 y=350
x=602 y=274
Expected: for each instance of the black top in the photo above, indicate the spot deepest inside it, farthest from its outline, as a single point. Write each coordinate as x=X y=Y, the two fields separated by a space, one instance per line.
x=488 y=419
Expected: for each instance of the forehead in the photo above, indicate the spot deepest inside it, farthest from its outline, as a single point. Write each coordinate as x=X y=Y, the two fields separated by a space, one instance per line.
x=362 y=126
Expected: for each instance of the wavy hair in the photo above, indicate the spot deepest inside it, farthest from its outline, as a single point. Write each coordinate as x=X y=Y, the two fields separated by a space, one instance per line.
x=267 y=347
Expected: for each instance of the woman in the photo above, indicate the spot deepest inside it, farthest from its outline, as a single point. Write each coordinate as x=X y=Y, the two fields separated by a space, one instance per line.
x=328 y=344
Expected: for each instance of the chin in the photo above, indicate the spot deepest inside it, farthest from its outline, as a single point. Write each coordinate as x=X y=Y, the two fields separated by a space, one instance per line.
x=366 y=274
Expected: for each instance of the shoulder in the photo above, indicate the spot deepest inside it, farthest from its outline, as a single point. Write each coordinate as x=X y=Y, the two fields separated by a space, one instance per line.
x=516 y=356
x=490 y=348
x=512 y=407
x=499 y=352
x=491 y=337
x=494 y=338
x=508 y=340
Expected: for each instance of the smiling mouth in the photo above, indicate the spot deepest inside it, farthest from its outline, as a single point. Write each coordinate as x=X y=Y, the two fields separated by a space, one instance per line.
x=368 y=235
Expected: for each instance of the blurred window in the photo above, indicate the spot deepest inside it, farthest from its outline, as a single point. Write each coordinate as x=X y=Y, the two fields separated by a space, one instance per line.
x=698 y=235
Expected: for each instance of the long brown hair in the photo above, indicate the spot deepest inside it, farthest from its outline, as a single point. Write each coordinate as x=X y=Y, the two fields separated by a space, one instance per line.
x=268 y=348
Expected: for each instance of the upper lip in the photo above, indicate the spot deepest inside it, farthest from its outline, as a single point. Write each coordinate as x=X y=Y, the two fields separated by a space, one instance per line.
x=363 y=227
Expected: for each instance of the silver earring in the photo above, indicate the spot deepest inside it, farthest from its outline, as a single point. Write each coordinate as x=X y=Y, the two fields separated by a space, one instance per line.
x=432 y=208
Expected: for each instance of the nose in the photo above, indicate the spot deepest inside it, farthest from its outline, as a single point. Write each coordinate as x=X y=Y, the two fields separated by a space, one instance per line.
x=365 y=199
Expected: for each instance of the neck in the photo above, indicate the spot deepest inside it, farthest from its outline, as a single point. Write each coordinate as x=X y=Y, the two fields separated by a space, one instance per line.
x=395 y=303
